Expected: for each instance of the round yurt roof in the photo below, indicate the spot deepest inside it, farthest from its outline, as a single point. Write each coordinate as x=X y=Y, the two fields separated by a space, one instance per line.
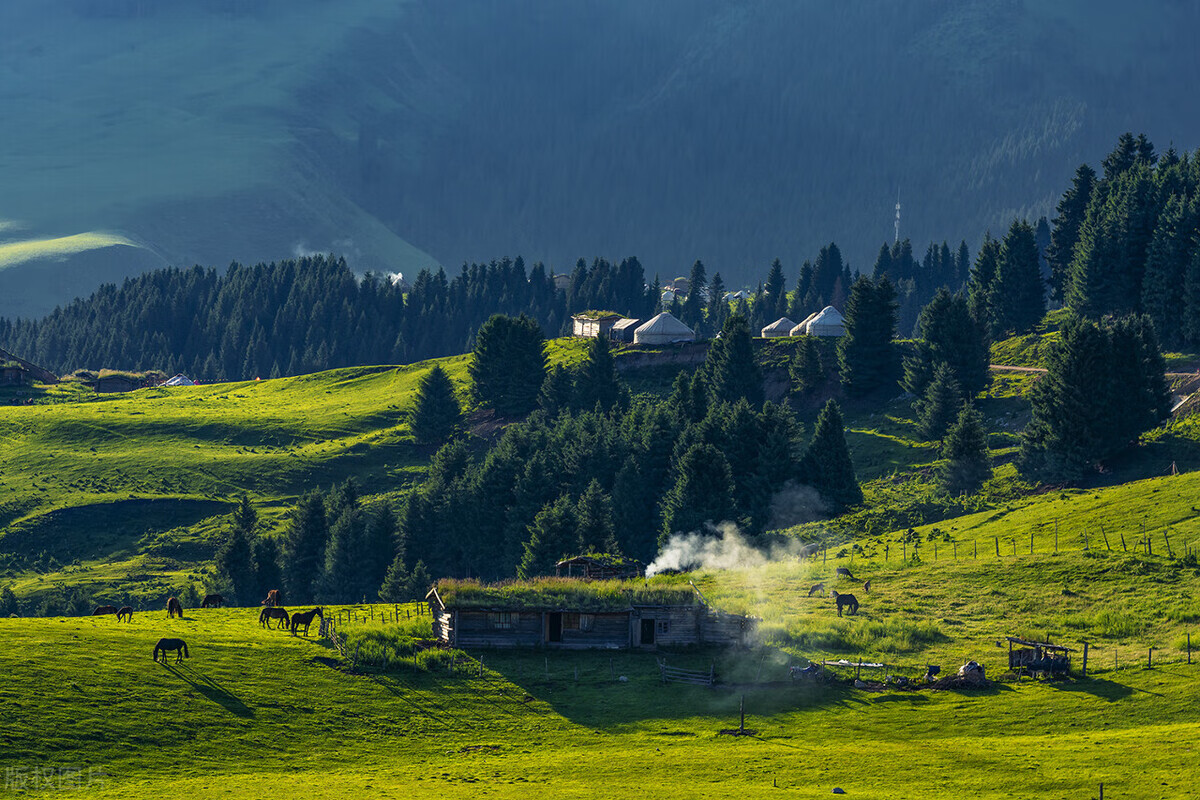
x=662 y=329
x=827 y=323
x=802 y=328
x=780 y=327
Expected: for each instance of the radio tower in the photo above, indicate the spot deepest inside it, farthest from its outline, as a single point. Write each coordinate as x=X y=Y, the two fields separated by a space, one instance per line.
x=897 y=216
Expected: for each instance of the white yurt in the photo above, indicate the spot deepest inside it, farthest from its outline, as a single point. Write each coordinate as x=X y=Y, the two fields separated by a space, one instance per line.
x=663 y=329
x=780 y=327
x=827 y=323
x=179 y=380
x=802 y=328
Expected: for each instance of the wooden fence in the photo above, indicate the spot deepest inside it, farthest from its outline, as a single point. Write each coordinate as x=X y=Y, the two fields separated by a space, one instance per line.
x=678 y=675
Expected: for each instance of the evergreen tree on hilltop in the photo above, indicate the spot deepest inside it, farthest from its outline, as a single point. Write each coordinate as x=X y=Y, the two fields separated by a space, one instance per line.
x=692 y=311
x=717 y=310
x=235 y=559
x=729 y=369
x=948 y=333
x=558 y=391
x=806 y=370
x=938 y=407
x=967 y=464
x=702 y=493
x=343 y=576
x=395 y=586
x=437 y=414
x=1166 y=268
x=267 y=573
x=867 y=357
x=1071 y=211
x=1017 y=300
x=596 y=380
x=509 y=364
x=1190 y=327
x=552 y=536
x=826 y=465
x=303 y=548
x=979 y=287
x=1138 y=395
x=594 y=521
x=775 y=294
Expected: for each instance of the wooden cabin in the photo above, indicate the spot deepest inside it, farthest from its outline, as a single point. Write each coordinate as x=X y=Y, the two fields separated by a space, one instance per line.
x=117 y=382
x=566 y=614
x=15 y=374
x=622 y=330
x=36 y=373
x=600 y=566
x=594 y=324
x=1051 y=659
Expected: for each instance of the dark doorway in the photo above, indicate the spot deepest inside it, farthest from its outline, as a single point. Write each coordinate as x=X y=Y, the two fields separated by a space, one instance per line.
x=647 y=631
x=554 y=628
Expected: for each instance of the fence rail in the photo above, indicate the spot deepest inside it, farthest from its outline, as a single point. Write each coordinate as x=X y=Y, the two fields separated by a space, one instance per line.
x=679 y=675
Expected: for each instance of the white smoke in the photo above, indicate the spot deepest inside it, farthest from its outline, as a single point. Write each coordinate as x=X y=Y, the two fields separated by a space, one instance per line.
x=721 y=547
x=796 y=504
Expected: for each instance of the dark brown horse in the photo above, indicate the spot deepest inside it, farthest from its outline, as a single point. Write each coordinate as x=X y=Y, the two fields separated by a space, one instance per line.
x=212 y=601
x=274 y=599
x=842 y=572
x=267 y=614
x=126 y=612
x=174 y=607
x=104 y=610
x=178 y=645
x=305 y=618
x=845 y=601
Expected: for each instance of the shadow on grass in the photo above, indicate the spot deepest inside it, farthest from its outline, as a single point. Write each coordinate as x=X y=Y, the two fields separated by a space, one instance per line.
x=1097 y=687
x=211 y=690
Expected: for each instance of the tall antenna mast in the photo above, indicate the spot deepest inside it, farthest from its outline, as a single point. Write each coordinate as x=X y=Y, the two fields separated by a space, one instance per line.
x=897 y=215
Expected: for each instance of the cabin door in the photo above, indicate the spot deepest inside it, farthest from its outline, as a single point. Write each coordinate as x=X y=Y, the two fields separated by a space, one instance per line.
x=554 y=627
x=647 y=631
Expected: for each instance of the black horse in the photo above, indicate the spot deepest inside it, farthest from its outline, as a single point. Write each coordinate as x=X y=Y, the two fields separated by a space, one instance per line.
x=178 y=645
x=127 y=612
x=174 y=607
x=844 y=601
x=305 y=618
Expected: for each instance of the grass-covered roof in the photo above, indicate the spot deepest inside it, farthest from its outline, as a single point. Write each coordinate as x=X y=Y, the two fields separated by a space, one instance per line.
x=562 y=594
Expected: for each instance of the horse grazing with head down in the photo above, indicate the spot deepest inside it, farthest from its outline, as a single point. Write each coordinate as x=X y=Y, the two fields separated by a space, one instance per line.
x=269 y=613
x=305 y=618
x=174 y=607
x=126 y=612
x=104 y=610
x=178 y=645
x=820 y=587
x=212 y=601
x=845 y=601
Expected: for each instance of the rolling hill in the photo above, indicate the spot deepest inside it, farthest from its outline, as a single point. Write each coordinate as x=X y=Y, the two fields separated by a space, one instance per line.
x=405 y=135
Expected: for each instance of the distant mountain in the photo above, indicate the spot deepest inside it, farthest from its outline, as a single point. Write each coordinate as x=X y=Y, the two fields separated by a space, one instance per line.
x=403 y=135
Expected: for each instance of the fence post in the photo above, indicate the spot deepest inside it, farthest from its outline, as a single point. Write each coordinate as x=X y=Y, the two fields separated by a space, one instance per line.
x=1150 y=658
x=976 y=548
x=955 y=546
x=1056 y=535
x=996 y=539
x=1031 y=543
x=1105 y=535
x=1168 y=541
x=1085 y=655
x=1189 y=646
x=935 y=549
x=1123 y=547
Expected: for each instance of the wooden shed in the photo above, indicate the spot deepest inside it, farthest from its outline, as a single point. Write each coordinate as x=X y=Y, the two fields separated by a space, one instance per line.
x=37 y=373
x=117 y=382
x=1038 y=656
x=622 y=330
x=594 y=324
x=561 y=613
x=600 y=566
x=15 y=374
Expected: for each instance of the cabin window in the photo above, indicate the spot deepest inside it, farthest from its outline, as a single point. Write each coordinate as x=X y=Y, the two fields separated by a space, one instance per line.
x=570 y=622
x=578 y=622
x=664 y=626
x=501 y=620
x=587 y=621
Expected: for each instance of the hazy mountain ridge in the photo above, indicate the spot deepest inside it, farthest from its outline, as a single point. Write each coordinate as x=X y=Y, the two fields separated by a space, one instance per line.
x=406 y=135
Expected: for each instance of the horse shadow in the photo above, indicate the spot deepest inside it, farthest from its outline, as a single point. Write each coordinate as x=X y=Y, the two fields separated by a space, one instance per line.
x=1097 y=687
x=212 y=690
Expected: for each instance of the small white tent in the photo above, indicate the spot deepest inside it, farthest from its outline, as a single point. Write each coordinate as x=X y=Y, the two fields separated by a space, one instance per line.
x=828 y=323
x=663 y=329
x=802 y=328
x=780 y=327
x=179 y=380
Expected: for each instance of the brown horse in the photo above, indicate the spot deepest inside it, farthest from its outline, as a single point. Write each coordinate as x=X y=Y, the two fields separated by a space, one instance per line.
x=126 y=612
x=845 y=601
x=212 y=601
x=305 y=618
x=267 y=614
x=274 y=599
x=174 y=607
x=820 y=587
x=104 y=610
x=178 y=645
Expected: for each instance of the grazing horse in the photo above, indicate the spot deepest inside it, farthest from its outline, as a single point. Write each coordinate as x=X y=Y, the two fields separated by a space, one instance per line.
x=840 y=571
x=174 y=607
x=126 y=612
x=274 y=599
x=867 y=587
x=104 y=610
x=178 y=645
x=305 y=618
x=820 y=587
x=269 y=613
x=844 y=600
x=212 y=601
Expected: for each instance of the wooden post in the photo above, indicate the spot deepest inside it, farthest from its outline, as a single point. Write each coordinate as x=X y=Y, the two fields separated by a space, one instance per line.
x=858 y=672
x=955 y=546
x=997 y=540
x=1102 y=791
x=1189 y=646
x=976 y=548
x=1168 y=541
x=935 y=549
x=1123 y=547
x=1014 y=541
x=824 y=552
x=1085 y=654
x=904 y=554
x=886 y=548
x=1150 y=658
x=1056 y=535
x=1105 y=535
x=1086 y=544
x=1031 y=543
x=742 y=714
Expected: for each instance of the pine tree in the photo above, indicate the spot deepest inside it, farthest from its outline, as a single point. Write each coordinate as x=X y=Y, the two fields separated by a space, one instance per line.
x=303 y=547
x=594 y=525
x=867 y=357
x=509 y=364
x=948 y=333
x=806 y=370
x=344 y=573
x=396 y=583
x=596 y=380
x=558 y=391
x=1016 y=298
x=718 y=307
x=967 y=464
x=267 y=573
x=1190 y=326
x=775 y=292
x=938 y=407
x=420 y=581
x=1071 y=210
x=702 y=492
x=692 y=311
x=552 y=536
x=729 y=368
x=826 y=465
x=1166 y=268
x=436 y=414
x=979 y=287
x=8 y=602
x=234 y=563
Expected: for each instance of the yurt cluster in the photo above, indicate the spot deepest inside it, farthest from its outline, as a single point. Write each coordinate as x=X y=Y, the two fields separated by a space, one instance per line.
x=666 y=329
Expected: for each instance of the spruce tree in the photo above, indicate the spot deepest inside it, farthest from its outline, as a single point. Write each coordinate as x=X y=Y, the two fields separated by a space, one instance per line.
x=718 y=307
x=702 y=492
x=420 y=581
x=303 y=547
x=805 y=369
x=558 y=391
x=343 y=578
x=867 y=357
x=1166 y=269
x=979 y=287
x=234 y=561
x=436 y=414
x=552 y=536
x=596 y=380
x=967 y=464
x=1071 y=210
x=1190 y=324
x=775 y=293
x=594 y=521
x=938 y=407
x=730 y=370
x=948 y=333
x=826 y=465
x=395 y=586
x=1016 y=298
x=692 y=311
x=267 y=572
x=508 y=364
